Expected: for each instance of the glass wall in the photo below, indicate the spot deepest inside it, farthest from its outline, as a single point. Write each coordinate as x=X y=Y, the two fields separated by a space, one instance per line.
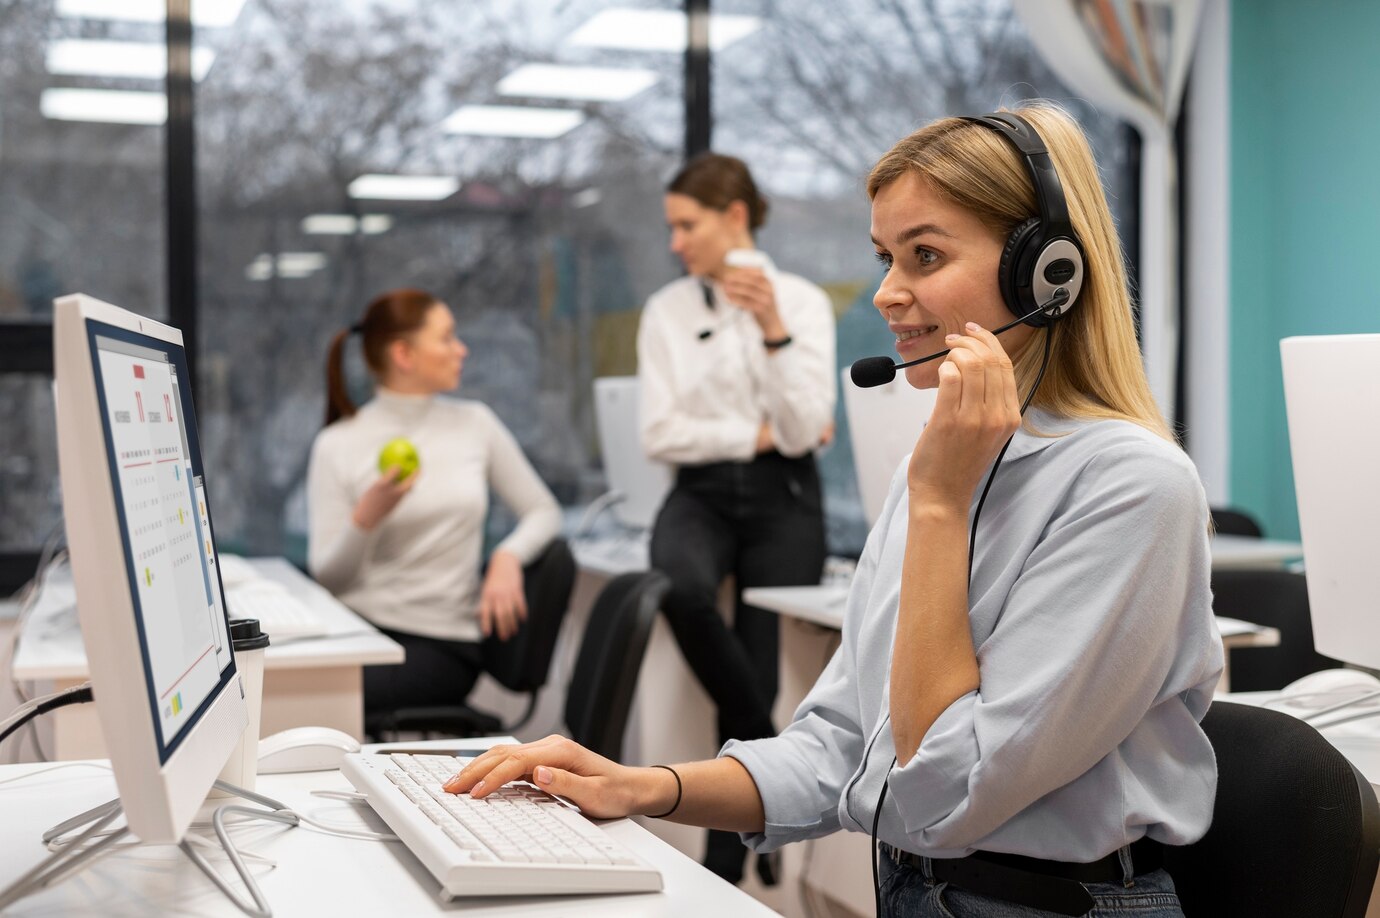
x=506 y=156
x=817 y=93
x=81 y=207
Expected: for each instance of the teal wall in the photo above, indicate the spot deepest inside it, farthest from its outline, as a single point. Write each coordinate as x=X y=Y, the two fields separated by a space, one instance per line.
x=1305 y=215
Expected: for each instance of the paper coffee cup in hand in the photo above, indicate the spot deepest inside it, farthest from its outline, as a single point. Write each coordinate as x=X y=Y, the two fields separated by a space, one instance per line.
x=748 y=258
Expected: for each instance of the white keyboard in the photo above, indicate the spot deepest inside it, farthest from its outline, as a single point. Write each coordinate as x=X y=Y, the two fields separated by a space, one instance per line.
x=518 y=841
x=280 y=614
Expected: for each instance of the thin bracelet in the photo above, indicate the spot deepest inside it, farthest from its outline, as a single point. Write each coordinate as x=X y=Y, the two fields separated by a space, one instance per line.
x=679 y=787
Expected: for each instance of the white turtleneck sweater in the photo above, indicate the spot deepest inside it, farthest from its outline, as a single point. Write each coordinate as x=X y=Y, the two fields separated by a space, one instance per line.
x=418 y=570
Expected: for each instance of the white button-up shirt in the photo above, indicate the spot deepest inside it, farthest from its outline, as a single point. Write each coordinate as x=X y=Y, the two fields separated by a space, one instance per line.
x=705 y=396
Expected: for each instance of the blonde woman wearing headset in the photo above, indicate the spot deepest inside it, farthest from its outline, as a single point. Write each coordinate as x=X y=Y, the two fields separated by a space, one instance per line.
x=1030 y=711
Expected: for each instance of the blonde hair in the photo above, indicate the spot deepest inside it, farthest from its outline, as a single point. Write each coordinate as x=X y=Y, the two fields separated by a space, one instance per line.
x=1095 y=369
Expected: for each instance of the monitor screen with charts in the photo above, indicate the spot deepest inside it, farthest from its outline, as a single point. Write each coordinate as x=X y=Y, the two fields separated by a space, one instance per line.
x=1332 y=401
x=144 y=562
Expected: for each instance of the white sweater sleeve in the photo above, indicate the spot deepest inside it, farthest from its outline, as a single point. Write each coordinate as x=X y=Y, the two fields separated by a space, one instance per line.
x=336 y=547
x=515 y=481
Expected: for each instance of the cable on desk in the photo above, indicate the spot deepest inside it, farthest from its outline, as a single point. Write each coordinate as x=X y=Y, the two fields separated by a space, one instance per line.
x=76 y=695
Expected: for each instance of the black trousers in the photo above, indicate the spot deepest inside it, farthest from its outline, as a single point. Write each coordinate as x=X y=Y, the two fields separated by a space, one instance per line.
x=437 y=672
x=763 y=522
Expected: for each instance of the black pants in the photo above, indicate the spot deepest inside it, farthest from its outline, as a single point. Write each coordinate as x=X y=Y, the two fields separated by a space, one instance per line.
x=763 y=522
x=436 y=672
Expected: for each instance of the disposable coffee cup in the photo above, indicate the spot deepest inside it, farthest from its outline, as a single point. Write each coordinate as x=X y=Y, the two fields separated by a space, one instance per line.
x=249 y=643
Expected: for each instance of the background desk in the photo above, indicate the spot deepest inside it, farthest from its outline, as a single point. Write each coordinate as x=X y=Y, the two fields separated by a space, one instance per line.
x=316 y=874
x=308 y=681
x=1234 y=553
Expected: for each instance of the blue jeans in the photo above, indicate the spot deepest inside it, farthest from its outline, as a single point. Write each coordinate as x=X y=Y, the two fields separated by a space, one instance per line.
x=911 y=892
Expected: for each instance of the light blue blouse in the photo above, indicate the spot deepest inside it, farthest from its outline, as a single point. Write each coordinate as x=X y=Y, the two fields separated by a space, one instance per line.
x=1097 y=651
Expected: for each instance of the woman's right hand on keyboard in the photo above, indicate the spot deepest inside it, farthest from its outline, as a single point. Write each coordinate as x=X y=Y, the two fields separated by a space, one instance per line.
x=381 y=497
x=601 y=788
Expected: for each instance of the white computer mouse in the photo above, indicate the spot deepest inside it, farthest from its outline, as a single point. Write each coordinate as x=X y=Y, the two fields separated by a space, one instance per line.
x=304 y=749
x=1316 y=689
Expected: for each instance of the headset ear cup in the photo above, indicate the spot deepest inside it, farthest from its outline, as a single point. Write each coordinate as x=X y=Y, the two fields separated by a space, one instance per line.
x=1018 y=255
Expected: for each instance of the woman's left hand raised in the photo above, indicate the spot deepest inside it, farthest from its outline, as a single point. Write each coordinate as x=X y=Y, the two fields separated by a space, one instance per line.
x=977 y=411
x=502 y=603
x=751 y=290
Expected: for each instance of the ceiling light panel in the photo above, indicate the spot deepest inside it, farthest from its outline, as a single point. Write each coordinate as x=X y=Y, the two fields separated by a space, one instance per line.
x=404 y=187
x=594 y=84
x=135 y=60
x=110 y=106
x=346 y=224
x=512 y=121
x=657 y=30
x=207 y=14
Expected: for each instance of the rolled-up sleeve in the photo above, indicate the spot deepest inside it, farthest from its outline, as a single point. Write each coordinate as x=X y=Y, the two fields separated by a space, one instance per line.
x=1102 y=634
x=801 y=384
x=800 y=773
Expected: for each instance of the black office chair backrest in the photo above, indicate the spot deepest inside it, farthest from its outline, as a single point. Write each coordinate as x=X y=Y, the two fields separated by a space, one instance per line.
x=1227 y=521
x=1295 y=830
x=522 y=662
x=1277 y=599
x=601 y=688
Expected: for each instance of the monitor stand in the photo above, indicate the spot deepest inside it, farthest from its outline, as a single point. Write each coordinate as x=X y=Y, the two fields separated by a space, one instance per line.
x=73 y=855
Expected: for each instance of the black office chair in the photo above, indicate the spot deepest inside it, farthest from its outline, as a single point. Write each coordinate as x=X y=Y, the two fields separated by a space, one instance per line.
x=520 y=664
x=1277 y=599
x=1228 y=521
x=1295 y=829
x=601 y=689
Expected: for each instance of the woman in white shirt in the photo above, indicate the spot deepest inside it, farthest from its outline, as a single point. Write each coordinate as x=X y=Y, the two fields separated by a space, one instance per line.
x=404 y=552
x=737 y=373
x=1015 y=716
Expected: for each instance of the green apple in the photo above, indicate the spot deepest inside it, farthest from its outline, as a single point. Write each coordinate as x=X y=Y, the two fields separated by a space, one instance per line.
x=399 y=454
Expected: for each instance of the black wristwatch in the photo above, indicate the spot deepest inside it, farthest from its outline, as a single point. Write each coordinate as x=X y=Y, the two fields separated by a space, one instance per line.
x=776 y=343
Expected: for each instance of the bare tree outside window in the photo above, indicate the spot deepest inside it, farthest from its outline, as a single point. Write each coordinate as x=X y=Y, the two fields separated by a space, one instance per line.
x=546 y=247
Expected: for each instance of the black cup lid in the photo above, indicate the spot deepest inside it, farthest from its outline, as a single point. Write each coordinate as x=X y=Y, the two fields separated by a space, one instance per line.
x=246 y=634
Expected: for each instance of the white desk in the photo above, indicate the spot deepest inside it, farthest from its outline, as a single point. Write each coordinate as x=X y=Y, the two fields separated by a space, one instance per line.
x=1235 y=553
x=316 y=874
x=309 y=681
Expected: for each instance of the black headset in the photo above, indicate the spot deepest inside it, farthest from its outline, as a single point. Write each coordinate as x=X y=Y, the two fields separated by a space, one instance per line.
x=1042 y=253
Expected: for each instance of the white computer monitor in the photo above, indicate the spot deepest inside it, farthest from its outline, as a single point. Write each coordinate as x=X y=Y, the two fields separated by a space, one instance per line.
x=883 y=424
x=1332 y=400
x=642 y=482
x=149 y=597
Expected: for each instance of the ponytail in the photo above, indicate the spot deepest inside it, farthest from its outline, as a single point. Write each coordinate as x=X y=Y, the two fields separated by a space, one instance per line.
x=388 y=317
x=338 y=402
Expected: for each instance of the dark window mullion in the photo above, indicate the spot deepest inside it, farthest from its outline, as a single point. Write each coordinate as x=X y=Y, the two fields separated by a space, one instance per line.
x=181 y=181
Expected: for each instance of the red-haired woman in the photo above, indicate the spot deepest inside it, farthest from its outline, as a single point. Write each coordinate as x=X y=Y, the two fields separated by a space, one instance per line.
x=405 y=552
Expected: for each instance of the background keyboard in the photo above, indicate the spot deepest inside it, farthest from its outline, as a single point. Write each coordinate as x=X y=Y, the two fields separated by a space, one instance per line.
x=519 y=840
x=280 y=614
